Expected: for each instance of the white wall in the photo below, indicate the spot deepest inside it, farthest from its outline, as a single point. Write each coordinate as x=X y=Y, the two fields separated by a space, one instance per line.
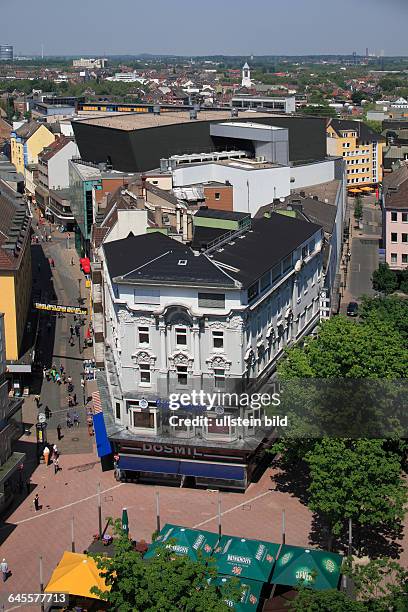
x=263 y=184
x=134 y=221
x=58 y=175
x=312 y=174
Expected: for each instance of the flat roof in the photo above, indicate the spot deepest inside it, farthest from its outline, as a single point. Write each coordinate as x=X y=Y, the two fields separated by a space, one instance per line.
x=258 y=126
x=139 y=121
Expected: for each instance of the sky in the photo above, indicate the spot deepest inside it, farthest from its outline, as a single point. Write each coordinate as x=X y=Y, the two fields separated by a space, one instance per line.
x=207 y=27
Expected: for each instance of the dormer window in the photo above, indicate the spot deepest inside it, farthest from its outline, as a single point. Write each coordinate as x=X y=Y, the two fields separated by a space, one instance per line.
x=182 y=262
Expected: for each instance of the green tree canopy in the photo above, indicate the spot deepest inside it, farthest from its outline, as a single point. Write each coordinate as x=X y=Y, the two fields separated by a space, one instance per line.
x=325 y=601
x=166 y=582
x=357 y=479
x=384 y=279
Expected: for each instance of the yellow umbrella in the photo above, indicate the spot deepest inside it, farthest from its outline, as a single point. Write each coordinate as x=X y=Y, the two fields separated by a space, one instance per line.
x=366 y=188
x=76 y=574
x=354 y=190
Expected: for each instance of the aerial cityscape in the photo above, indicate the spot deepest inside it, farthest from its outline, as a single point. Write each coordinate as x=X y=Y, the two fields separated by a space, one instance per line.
x=204 y=307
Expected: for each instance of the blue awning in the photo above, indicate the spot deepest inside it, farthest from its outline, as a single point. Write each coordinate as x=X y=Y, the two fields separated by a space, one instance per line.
x=103 y=445
x=181 y=468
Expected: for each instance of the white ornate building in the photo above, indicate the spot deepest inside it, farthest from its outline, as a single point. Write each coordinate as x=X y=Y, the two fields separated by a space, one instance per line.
x=246 y=76
x=177 y=319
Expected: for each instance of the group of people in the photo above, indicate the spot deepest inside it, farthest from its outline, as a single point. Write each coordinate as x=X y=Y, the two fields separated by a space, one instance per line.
x=53 y=455
x=58 y=375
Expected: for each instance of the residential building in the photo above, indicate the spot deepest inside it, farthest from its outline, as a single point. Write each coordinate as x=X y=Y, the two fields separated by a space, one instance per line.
x=395 y=217
x=5 y=132
x=361 y=148
x=10 y=429
x=324 y=205
x=89 y=62
x=281 y=104
x=15 y=269
x=27 y=142
x=178 y=319
x=53 y=173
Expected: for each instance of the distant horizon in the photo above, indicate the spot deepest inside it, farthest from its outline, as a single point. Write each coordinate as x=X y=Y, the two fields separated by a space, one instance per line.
x=179 y=28
x=202 y=56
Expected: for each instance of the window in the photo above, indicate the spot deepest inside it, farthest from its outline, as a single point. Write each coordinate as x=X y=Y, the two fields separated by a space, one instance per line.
x=287 y=263
x=265 y=281
x=143 y=419
x=181 y=336
x=182 y=375
x=253 y=291
x=219 y=378
x=404 y=217
x=217 y=195
x=145 y=373
x=117 y=410
x=404 y=237
x=404 y=258
x=143 y=335
x=218 y=339
x=393 y=237
x=276 y=272
x=211 y=300
x=305 y=251
x=394 y=258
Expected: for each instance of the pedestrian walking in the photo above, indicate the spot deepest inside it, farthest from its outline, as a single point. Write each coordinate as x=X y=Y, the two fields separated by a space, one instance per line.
x=61 y=369
x=36 y=502
x=58 y=379
x=56 y=465
x=70 y=401
x=37 y=400
x=69 y=421
x=75 y=399
x=4 y=570
x=44 y=372
x=72 y=261
x=46 y=453
x=64 y=378
x=71 y=330
x=59 y=432
x=55 y=452
x=69 y=380
x=76 y=419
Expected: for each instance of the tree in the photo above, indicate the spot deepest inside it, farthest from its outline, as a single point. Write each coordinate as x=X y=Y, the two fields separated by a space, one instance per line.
x=383 y=583
x=166 y=582
x=391 y=309
x=324 y=601
x=357 y=479
x=322 y=110
x=357 y=97
x=376 y=126
x=358 y=208
x=384 y=279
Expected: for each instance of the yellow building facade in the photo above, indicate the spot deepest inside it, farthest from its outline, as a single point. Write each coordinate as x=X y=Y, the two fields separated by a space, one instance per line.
x=15 y=269
x=361 y=149
x=27 y=143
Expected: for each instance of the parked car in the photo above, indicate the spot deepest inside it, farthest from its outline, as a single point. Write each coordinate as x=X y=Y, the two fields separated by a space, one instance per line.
x=352 y=309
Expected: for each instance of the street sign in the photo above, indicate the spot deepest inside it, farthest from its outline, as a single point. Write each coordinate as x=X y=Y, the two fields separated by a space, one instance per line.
x=41 y=417
x=60 y=308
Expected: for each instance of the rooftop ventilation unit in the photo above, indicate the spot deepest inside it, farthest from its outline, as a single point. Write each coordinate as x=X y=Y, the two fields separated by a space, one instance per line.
x=193 y=114
x=164 y=164
x=156 y=109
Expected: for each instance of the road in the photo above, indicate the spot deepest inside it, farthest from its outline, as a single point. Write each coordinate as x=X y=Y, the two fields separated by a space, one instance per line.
x=364 y=253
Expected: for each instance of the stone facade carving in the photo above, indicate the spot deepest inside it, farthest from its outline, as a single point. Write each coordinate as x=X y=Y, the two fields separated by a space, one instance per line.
x=218 y=361
x=144 y=357
x=217 y=325
x=143 y=321
x=125 y=316
x=181 y=358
